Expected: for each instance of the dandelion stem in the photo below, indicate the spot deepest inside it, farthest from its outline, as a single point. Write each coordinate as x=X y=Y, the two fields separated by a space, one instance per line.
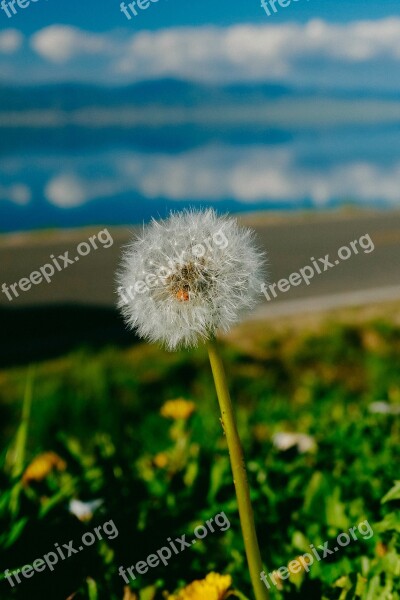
x=239 y=472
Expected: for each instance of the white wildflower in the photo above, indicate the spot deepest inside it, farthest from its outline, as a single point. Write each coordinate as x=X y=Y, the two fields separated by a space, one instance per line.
x=285 y=440
x=384 y=408
x=189 y=276
x=84 y=510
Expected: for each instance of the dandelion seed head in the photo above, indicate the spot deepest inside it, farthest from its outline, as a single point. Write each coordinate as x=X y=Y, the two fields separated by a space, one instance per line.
x=189 y=276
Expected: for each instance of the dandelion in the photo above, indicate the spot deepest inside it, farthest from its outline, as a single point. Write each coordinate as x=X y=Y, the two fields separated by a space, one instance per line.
x=183 y=280
x=213 y=587
x=188 y=277
x=178 y=409
x=42 y=466
x=128 y=594
x=161 y=460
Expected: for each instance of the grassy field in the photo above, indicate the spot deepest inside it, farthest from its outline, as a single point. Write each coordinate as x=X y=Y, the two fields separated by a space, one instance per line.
x=318 y=412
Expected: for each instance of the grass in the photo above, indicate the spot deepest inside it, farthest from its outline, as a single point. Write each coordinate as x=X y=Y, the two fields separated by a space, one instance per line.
x=99 y=414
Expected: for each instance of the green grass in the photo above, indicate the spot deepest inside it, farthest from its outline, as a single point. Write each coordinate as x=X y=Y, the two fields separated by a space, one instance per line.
x=100 y=413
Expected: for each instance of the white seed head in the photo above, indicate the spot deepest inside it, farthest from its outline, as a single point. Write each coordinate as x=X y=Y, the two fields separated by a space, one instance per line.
x=189 y=276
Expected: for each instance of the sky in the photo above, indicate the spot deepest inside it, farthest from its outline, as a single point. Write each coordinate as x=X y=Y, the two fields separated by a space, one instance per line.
x=326 y=43
x=103 y=15
x=332 y=139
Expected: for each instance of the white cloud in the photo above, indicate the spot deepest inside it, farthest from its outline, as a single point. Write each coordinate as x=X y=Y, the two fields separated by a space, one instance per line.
x=235 y=53
x=67 y=190
x=61 y=43
x=18 y=193
x=245 y=174
x=11 y=40
x=259 y=174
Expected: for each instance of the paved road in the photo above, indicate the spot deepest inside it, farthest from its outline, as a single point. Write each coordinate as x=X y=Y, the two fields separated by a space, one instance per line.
x=291 y=242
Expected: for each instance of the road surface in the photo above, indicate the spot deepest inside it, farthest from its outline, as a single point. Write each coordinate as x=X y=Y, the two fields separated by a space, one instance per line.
x=291 y=241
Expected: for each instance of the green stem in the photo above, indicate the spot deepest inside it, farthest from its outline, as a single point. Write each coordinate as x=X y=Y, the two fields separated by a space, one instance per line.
x=21 y=441
x=22 y=434
x=239 y=473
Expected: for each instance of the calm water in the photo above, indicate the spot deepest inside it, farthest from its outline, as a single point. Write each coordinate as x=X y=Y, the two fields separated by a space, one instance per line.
x=97 y=162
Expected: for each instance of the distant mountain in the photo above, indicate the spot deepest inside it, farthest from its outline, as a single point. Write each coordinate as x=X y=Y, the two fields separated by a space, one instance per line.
x=164 y=92
x=128 y=208
x=173 y=116
x=167 y=92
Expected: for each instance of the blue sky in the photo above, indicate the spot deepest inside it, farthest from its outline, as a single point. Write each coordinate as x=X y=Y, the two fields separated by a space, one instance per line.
x=102 y=15
x=323 y=45
x=352 y=44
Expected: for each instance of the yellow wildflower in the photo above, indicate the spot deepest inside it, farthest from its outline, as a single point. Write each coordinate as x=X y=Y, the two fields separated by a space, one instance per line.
x=213 y=587
x=161 y=460
x=42 y=465
x=178 y=409
x=128 y=594
x=381 y=549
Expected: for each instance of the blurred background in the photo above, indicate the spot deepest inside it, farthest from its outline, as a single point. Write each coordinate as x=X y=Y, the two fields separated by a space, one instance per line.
x=106 y=120
x=290 y=121
x=109 y=121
